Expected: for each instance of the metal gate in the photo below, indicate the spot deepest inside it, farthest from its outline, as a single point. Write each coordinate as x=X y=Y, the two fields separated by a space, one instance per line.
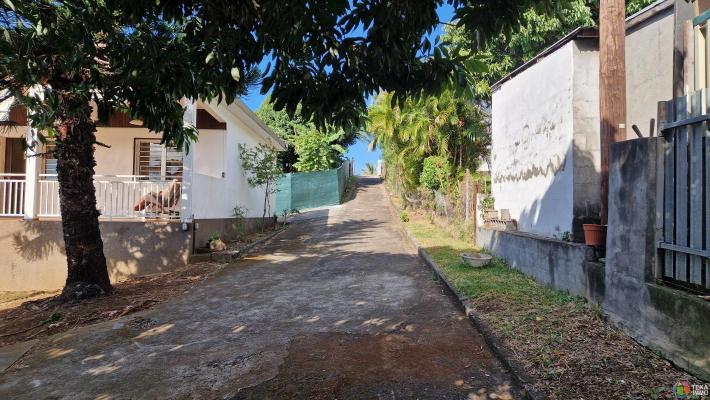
x=686 y=192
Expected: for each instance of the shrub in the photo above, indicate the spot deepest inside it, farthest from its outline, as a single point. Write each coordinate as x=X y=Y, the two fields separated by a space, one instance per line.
x=403 y=216
x=435 y=172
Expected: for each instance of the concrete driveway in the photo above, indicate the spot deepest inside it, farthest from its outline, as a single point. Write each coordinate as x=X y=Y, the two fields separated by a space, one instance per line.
x=335 y=307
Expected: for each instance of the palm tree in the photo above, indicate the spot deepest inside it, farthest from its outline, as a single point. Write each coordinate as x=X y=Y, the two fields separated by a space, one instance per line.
x=369 y=169
x=446 y=125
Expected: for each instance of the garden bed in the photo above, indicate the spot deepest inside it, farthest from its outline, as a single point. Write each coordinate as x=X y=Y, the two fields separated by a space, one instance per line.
x=562 y=342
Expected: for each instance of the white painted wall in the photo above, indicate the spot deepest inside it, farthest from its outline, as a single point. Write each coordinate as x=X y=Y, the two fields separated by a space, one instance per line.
x=532 y=125
x=119 y=159
x=649 y=71
x=214 y=196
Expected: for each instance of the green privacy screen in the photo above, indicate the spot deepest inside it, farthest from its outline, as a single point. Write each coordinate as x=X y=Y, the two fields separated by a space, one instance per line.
x=304 y=190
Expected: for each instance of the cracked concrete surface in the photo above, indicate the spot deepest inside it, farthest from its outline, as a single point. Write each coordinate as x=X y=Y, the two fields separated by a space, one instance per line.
x=336 y=307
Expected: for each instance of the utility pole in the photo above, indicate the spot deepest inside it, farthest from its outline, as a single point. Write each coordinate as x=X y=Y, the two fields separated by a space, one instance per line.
x=612 y=87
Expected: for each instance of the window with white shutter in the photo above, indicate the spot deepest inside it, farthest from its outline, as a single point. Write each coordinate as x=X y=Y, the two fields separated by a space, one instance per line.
x=154 y=161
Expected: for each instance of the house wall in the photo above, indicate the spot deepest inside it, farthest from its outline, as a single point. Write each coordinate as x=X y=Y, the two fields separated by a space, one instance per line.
x=649 y=70
x=532 y=125
x=119 y=159
x=34 y=256
x=214 y=195
x=586 y=154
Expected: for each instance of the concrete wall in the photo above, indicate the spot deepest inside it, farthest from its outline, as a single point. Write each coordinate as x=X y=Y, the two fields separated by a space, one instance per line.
x=555 y=263
x=586 y=148
x=649 y=70
x=34 y=257
x=228 y=228
x=532 y=125
x=668 y=320
x=675 y=323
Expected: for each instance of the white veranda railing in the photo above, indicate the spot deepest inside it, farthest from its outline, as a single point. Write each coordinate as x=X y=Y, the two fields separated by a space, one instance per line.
x=120 y=196
x=12 y=195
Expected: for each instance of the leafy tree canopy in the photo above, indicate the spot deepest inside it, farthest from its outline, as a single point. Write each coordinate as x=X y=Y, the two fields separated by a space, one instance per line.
x=310 y=148
x=144 y=56
x=448 y=126
x=537 y=30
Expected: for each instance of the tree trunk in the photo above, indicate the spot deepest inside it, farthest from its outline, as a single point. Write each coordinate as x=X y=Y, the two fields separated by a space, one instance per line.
x=87 y=272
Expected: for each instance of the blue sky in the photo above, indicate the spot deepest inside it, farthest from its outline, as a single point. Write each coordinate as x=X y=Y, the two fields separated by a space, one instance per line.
x=359 y=150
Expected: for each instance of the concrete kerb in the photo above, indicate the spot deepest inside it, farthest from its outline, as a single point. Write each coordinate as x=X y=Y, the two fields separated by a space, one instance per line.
x=497 y=346
x=233 y=255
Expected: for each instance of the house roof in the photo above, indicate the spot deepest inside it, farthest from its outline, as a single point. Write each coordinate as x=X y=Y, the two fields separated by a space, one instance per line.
x=240 y=111
x=632 y=22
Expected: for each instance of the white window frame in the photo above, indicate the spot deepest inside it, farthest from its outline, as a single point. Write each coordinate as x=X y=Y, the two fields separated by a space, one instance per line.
x=163 y=160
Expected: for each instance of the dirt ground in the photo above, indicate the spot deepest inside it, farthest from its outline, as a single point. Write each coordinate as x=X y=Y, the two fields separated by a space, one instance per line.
x=33 y=315
x=46 y=316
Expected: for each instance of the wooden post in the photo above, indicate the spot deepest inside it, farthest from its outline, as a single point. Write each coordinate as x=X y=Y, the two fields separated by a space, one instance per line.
x=612 y=87
x=683 y=55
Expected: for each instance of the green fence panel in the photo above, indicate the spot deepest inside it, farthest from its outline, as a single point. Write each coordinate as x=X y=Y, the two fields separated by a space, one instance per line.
x=303 y=190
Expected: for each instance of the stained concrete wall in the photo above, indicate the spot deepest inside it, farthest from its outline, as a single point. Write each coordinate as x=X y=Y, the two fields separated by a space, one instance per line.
x=586 y=148
x=675 y=323
x=228 y=228
x=668 y=320
x=555 y=263
x=649 y=70
x=532 y=129
x=34 y=257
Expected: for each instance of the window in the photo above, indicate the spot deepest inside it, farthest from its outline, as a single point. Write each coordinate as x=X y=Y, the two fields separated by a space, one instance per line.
x=49 y=163
x=154 y=161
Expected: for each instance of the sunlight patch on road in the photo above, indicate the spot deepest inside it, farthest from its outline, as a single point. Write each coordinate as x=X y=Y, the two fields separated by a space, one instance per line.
x=155 y=331
x=58 y=352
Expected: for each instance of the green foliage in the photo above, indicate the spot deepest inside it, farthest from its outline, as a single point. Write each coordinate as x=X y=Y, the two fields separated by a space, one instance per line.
x=310 y=148
x=404 y=216
x=446 y=125
x=566 y=236
x=318 y=151
x=285 y=214
x=214 y=236
x=369 y=169
x=538 y=29
x=435 y=173
x=486 y=203
x=261 y=166
x=239 y=213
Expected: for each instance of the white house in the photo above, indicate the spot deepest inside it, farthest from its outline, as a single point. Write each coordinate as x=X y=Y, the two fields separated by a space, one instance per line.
x=157 y=203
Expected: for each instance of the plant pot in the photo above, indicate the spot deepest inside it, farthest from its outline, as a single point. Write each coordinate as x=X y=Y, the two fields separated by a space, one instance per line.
x=476 y=260
x=594 y=235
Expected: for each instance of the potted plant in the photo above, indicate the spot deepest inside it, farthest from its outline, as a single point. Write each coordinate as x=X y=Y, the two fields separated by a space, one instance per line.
x=594 y=234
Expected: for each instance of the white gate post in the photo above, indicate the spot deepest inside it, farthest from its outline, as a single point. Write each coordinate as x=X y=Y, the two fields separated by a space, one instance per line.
x=32 y=167
x=188 y=161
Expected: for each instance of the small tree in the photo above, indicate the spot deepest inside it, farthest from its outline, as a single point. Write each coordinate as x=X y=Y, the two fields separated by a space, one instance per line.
x=263 y=170
x=435 y=173
x=318 y=151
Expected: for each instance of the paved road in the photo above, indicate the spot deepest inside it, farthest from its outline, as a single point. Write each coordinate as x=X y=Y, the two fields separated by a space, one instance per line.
x=335 y=307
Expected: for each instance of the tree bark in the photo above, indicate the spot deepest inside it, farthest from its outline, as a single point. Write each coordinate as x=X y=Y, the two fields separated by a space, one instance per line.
x=87 y=272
